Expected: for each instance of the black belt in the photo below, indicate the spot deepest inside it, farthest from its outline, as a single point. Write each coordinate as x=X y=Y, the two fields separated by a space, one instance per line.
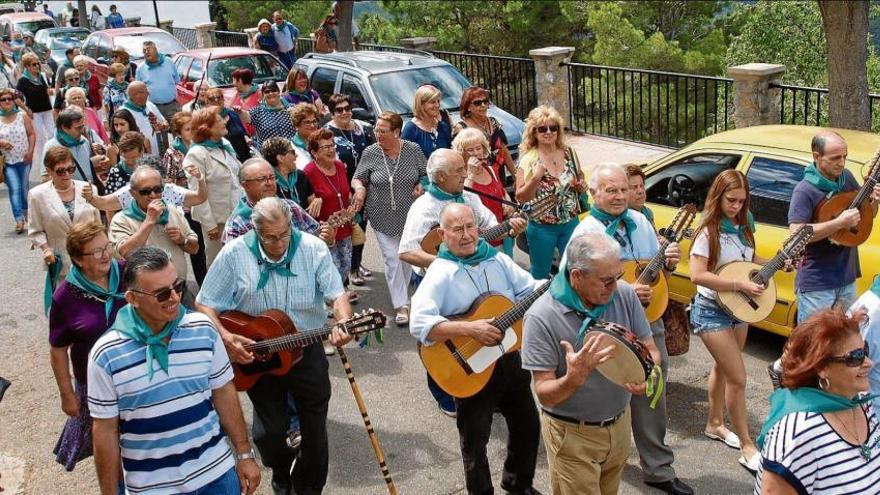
x=601 y=424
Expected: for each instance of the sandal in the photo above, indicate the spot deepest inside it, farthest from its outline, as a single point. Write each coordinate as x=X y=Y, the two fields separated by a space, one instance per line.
x=402 y=317
x=19 y=226
x=730 y=439
x=365 y=272
x=353 y=297
x=751 y=464
x=355 y=278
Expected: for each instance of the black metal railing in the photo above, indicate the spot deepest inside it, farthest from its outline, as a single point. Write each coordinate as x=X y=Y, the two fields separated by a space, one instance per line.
x=187 y=36
x=303 y=46
x=391 y=48
x=663 y=108
x=801 y=105
x=230 y=38
x=509 y=80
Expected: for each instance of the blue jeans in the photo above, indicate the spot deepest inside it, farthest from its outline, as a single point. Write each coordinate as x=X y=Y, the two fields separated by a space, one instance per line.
x=287 y=58
x=17 y=182
x=817 y=300
x=544 y=240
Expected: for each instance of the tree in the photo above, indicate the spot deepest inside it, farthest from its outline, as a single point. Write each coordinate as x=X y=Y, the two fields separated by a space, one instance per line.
x=846 y=31
x=83 y=14
x=305 y=14
x=344 y=12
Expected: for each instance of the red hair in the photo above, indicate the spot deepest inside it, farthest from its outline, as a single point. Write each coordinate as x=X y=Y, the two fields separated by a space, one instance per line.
x=468 y=96
x=811 y=344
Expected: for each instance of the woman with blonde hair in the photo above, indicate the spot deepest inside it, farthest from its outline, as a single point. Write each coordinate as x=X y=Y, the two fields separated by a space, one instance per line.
x=35 y=88
x=428 y=128
x=547 y=165
x=725 y=234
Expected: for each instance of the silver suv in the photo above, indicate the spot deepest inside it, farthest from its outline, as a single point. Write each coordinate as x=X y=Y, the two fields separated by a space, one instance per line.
x=380 y=81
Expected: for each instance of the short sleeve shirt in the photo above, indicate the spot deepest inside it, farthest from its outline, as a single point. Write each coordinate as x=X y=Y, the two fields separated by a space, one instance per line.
x=428 y=141
x=732 y=249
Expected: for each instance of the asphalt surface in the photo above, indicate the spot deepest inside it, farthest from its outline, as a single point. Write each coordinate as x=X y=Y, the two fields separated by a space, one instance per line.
x=420 y=444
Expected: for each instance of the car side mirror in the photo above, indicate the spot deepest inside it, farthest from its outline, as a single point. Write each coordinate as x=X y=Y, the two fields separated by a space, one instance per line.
x=102 y=61
x=362 y=114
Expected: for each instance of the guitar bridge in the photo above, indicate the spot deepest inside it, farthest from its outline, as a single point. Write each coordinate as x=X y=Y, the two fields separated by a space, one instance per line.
x=459 y=358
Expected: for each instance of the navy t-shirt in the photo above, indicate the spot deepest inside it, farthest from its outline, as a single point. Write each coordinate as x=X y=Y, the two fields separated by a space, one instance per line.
x=427 y=141
x=826 y=265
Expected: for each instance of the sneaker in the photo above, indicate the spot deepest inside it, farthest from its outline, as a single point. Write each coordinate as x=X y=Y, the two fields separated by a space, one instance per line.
x=355 y=278
x=402 y=316
x=447 y=407
x=775 y=376
x=365 y=272
x=294 y=439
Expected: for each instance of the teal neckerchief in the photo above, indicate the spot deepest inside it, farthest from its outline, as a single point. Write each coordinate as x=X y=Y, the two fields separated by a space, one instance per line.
x=727 y=227
x=648 y=214
x=116 y=85
x=66 y=140
x=67 y=63
x=225 y=112
x=251 y=90
x=805 y=399
x=122 y=166
x=561 y=290
x=75 y=277
x=52 y=274
x=215 y=145
x=134 y=211
x=4 y=113
x=814 y=177
x=283 y=266
x=135 y=108
x=612 y=222
x=875 y=287
x=129 y=323
x=179 y=145
x=283 y=106
x=287 y=183
x=484 y=252
x=243 y=209
x=160 y=59
x=298 y=141
x=442 y=195
x=38 y=79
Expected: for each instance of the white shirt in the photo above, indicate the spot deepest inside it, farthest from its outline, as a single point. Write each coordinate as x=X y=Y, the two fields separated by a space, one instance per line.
x=641 y=244
x=424 y=215
x=143 y=122
x=871 y=333
x=732 y=249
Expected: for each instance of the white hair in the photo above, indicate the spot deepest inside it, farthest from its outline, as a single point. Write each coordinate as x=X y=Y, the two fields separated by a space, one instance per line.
x=80 y=58
x=139 y=172
x=270 y=210
x=76 y=90
x=454 y=209
x=440 y=161
x=585 y=250
x=256 y=160
x=604 y=168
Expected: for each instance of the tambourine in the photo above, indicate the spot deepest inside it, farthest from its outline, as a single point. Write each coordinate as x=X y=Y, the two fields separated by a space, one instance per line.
x=632 y=363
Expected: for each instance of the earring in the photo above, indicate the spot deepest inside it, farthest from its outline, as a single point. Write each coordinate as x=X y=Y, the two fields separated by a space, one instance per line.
x=824 y=385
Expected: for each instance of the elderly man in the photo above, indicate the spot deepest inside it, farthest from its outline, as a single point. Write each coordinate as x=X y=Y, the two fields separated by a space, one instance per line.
x=149 y=221
x=285 y=35
x=586 y=409
x=634 y=234
x=69 y=55
x=466 y=268
x=160 y=75
x=275 y=266
x=149 y=118
x=163 y=418
x=73 y=134
x=258 y=181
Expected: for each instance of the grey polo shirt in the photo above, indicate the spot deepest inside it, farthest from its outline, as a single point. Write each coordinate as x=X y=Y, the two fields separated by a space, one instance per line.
x=548 y=322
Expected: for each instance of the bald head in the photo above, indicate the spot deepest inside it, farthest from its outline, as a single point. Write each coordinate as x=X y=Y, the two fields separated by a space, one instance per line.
x=138 y=92
x=829 y=153
x=144 y=174
x=459 y=229
x=610 y=188
x=257 y=179
x=823 y=139
x=454 y=210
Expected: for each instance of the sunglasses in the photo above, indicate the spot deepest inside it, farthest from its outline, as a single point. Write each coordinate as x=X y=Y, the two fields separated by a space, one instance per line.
x=480 y=103
x=65 y=171
x=73 y=79
x=6 y=99
x=151 y=190
x=33 y=64
x=853 y=359
x=548 y=128
x=335 y=110
x=163 y=295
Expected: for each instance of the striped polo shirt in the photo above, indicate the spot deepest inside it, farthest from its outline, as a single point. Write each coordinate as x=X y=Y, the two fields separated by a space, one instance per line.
x=169 y=432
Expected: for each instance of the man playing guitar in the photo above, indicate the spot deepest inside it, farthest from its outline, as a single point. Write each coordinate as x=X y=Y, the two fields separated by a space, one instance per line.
x=277 y=267
x=466 y=268
x=635 y=235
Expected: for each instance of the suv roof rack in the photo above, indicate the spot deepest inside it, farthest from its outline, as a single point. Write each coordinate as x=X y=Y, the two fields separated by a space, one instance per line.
x=334 y=57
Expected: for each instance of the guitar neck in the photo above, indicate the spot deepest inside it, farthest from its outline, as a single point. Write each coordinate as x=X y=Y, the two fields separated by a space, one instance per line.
x=292 y=340
x=655 y=265
x=767 y=271
x=864 y=193
x=496 y=232
x=519 y=309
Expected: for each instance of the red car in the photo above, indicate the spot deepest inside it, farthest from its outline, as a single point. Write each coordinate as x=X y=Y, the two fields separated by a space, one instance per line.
x=100 y=44
x=191 y=64
x=20 y=22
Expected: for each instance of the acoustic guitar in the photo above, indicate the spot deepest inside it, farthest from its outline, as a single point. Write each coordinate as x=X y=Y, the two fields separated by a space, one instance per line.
x=750 y=309
x=537 y=207
x=278 y=344
x=461 y=365
x=650 y=272
x=831 y=208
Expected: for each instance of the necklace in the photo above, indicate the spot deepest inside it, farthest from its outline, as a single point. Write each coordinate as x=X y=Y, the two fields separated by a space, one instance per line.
x=865 y=450
x=334 y=185
x=485 y=127
x=349 y=138
x=391 y=172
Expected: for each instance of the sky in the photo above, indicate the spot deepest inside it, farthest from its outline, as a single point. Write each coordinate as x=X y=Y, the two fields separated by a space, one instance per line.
x=184 y=13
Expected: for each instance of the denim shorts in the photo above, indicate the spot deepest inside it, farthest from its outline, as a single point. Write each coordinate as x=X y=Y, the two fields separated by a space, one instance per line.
x=707 y=316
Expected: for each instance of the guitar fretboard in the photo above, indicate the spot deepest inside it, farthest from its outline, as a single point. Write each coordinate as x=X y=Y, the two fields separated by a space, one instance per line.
x=515 y=313
x=294 y=340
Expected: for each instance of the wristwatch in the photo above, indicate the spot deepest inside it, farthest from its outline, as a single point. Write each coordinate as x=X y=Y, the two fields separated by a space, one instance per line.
x=250 y=454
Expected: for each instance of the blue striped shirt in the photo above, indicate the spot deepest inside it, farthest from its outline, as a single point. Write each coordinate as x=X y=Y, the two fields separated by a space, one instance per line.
x=169 y=433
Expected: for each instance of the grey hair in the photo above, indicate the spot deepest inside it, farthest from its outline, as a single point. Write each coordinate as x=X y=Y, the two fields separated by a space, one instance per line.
x=153 y=162
x=602 y=169
x=817 y=145
x=585 y=250
x=134 y=85
x=143 y=259
x=247 y=163
x=76 y=90
x=450 y=208
x=469 y=137
x=140 y=171
x=71 y=71
x=68 y=116
x=440 y=161
x=270 y=210
x=77 y=59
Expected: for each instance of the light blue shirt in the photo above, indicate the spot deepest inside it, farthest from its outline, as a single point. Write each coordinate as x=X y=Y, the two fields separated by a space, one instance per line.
x=231 y=283
x=641 y=244
x=450 y=288
x=285 y=36
x=871 y=333
x=160 y=80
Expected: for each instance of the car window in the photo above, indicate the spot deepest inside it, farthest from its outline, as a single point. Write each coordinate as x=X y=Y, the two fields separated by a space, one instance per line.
x=352 y=88
x=34 y=26
x=195 y=70
x=324 y=82
x=104 y=48
x=264 y=67
x=62 y=40
x=395 y=90
x=182 y=64
x=771 y=183
x=90 y=48
x=687 y=180
x=134 y=43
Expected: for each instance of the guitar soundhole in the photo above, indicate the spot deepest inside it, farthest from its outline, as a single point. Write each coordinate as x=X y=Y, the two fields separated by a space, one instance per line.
x=261 y=365
x=758 y=280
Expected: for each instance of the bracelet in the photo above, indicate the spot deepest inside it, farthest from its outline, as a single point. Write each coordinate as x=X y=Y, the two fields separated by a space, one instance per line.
x=250 y=454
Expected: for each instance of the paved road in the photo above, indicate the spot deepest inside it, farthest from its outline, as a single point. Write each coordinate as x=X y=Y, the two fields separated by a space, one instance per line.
x=421 y=445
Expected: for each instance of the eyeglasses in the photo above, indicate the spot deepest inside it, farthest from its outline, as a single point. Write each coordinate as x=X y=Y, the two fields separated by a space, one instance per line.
x=609 y=281
x=65 y=170
x=342 y=109
x=480 y=103
x=33 y=64
x=151 y=190
x=272 y=239
x=327 y=147
x=99 y=253
x=163 y=295
x=6 y=99
x=853 y=359
x=73 y=79
x=265 y=178
x=216 y=98
x=311 y=122
x=267 y=91
x=548 y=128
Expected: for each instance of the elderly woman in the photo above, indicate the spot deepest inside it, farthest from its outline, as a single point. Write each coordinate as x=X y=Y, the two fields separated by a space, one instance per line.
x=385 y=184
x=473 y=147
x=114 y=92
x=35 y=88
x=77 y=96
x=305 y=120
x=428 y=128
x=235 y=121
x=216 y=160
x=265 y=38
x=91 y=84
x=474 y=110
x=247 y=94
x=17 y=142
x=271 y=118
x=291 y=183
x=548 y=166
x=83 y=308
x=54 y=207
x=821 y=433
x=300 y=91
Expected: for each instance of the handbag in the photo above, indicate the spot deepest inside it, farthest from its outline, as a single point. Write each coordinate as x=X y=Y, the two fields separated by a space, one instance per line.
x=678 y=329
x=2 y=168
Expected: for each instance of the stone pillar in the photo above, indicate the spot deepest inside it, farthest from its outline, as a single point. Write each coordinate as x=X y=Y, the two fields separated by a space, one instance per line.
x=424 y=43
x=551 y=77
x=755 y=102
x=205 y=35
x=252 y=36
x=167 y=25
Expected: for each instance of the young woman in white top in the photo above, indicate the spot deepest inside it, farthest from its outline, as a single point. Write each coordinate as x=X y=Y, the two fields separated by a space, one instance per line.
x=17 y=140
x=725 y=234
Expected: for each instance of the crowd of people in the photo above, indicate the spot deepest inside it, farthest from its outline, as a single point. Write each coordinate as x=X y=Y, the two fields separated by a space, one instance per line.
x=269 y=196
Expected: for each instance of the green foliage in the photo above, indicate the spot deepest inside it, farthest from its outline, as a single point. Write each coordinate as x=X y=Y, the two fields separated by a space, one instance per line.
x=304 y=14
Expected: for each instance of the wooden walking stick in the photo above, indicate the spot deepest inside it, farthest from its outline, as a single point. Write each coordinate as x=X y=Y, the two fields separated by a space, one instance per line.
x=374 y=439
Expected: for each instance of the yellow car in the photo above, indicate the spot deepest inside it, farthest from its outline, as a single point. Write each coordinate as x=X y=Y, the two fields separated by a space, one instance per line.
x=773 y=159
